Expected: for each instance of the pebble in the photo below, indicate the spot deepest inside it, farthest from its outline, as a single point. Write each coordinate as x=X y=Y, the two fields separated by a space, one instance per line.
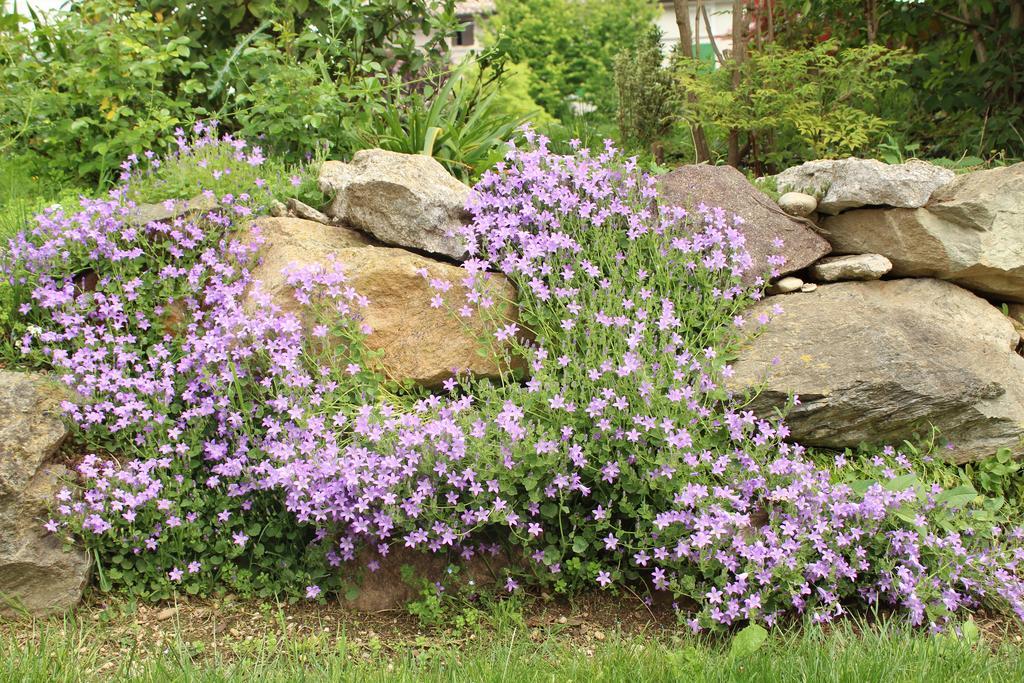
x=166 y=613
x=798 y=204
x=808 y=287
x=788 y=284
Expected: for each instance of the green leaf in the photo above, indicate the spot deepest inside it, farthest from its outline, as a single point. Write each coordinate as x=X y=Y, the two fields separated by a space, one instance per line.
x=748 y=641
x=901 y=483
x=970 y=631
x=958 y=497
x=579 y=545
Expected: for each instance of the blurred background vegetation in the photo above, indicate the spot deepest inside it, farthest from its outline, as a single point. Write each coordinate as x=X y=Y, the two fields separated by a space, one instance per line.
x=87 y=85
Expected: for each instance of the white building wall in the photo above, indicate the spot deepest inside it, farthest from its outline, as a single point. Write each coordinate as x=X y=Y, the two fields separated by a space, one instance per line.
x=719 y=12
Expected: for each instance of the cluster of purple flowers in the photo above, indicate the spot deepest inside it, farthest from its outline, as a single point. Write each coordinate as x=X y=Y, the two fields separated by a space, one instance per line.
x=622 y=456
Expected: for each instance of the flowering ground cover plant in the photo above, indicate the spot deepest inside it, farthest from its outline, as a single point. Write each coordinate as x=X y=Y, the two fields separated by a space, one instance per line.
x=258 y=449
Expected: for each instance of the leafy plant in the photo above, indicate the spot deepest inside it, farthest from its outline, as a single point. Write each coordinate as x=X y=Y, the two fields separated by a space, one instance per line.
x=794 y=104
x=569 y=46
x=646 y=90
x=83 y=97
x=459 y=123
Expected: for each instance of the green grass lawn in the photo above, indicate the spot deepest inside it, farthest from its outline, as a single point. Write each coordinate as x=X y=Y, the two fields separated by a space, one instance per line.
x=260 y=642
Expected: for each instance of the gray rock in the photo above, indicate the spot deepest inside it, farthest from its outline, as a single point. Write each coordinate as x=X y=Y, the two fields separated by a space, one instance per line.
x=306 y=212
x=876 y=361
x=808 y=287
x=36 y=574
x=143 y=214
x=764 y=222
x=853 y=267
x=798 y=204
x=971 y=233
x=408 y=200
x=842 y=184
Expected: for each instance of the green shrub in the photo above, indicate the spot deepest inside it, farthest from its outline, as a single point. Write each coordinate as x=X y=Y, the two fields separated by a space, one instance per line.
x=84 y=91
x=570 y=46
x=458 y=123
x=792 y=105
x=646 y=90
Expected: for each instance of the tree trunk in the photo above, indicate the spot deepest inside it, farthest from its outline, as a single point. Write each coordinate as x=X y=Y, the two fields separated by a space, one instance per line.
x=682 y=8
x=739 y=53
x=1017 y=15
x=701 y=150
x=972 y=18
x=871 y=15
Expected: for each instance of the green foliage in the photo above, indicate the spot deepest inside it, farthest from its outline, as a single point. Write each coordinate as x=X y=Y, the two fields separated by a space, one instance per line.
x=795 y=104
x=570 y=45
x=354 y=38
x=513 y=97
x=305 y=75
x=748 y=641
x=84 y=91
x=964 y=93
x=458 y=123
x=647 y=94
x=106 y=78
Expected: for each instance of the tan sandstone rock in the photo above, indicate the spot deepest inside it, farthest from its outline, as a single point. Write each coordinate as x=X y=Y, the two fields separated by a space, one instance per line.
x=418 y=342
x=971 y=233
x=36 y=574
x=852 y=267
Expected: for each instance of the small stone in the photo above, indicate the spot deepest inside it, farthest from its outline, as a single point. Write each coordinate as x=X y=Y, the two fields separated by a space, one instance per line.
x=278 y=210
x=788 y=284
x=166 y=613
x=599 y=635
x=854 y=267
x=562 y=620
x=301 y=210
x=798 y=203
x=808 y=287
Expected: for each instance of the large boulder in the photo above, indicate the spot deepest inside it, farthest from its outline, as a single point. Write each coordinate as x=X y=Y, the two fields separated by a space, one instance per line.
x=418 y=342
x=971 y=233
x=878 y=361
x=36 y=574
x=408 y=200
x=764 y=222
x=845 y=184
